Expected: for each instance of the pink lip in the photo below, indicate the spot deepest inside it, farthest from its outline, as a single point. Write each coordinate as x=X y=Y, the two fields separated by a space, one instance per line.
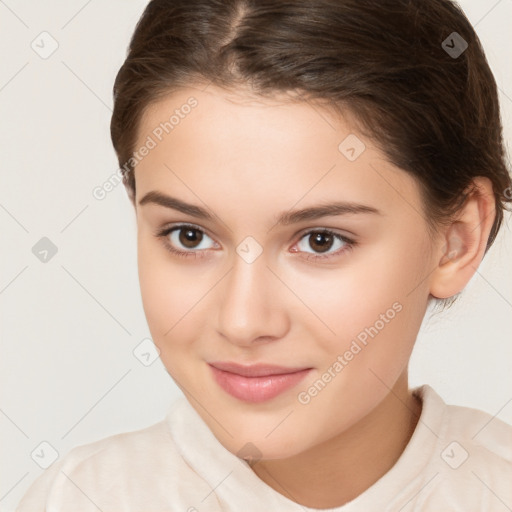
x=256 y=383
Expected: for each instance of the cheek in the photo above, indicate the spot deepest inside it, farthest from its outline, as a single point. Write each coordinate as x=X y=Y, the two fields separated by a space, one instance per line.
x=168 y=290
x=375 y=316
x=376 y=298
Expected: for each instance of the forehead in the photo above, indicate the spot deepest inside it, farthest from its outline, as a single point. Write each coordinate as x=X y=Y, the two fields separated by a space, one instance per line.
x=240 y=116
x=216 y=144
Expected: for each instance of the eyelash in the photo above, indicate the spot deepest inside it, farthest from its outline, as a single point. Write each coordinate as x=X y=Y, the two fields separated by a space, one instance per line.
x=165 y=232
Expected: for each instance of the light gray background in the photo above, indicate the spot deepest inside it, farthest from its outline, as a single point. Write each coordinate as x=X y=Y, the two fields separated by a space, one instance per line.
x=69 y=326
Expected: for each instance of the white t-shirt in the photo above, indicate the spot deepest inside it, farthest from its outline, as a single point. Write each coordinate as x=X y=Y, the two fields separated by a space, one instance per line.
x=458 y=459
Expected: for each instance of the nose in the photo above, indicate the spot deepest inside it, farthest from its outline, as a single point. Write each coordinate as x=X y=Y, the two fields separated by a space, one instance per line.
x=252 y=304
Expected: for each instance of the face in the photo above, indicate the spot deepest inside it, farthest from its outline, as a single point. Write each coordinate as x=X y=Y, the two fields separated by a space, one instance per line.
x=339 y=294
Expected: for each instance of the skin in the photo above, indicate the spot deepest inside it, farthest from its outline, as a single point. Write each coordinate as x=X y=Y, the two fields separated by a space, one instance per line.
x=247 y=160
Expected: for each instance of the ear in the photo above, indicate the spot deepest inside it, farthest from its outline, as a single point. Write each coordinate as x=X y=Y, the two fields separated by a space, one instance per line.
x=463 y=243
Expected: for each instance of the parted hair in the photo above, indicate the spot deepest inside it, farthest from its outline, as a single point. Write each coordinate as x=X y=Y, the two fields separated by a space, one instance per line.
x=434 y=113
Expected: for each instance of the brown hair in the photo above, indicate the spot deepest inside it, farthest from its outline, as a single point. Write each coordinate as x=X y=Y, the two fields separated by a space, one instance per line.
x=430 y=103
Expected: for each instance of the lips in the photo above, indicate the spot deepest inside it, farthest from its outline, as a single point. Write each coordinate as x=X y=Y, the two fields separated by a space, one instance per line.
x=258 y=382
x=255 y=370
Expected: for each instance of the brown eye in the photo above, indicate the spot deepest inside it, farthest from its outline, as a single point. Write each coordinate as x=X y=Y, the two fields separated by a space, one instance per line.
x=189 y=237
x=186 y=239
x=321 y=242
x=318 y=244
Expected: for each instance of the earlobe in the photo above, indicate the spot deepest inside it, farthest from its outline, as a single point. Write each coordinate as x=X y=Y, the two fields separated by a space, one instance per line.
x=464 y=241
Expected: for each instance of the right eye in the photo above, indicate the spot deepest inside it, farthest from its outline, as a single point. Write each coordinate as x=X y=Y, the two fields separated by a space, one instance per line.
x=186 y=236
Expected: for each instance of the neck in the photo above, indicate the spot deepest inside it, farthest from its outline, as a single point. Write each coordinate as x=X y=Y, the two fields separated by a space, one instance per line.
x=341 y=468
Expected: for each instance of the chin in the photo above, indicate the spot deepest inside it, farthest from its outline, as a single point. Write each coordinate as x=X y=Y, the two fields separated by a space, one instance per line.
x=253 y=445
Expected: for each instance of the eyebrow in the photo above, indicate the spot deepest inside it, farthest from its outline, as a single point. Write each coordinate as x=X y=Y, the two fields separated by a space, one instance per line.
x=286 y=218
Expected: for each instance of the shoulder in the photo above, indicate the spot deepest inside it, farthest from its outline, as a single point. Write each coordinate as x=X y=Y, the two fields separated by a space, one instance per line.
x=127 y=471
x=476 y=430
x=127 y=449
x=484 y=435
x=471 y=462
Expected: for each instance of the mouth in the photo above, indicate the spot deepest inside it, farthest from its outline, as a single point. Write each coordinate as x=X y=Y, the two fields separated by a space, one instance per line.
x=256 y=383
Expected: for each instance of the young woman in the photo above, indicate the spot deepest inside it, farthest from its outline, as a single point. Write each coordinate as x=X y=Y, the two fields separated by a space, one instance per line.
x=307 y=178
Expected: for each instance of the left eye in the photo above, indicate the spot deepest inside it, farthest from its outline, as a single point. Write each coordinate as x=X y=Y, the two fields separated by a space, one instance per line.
x=322 y=241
